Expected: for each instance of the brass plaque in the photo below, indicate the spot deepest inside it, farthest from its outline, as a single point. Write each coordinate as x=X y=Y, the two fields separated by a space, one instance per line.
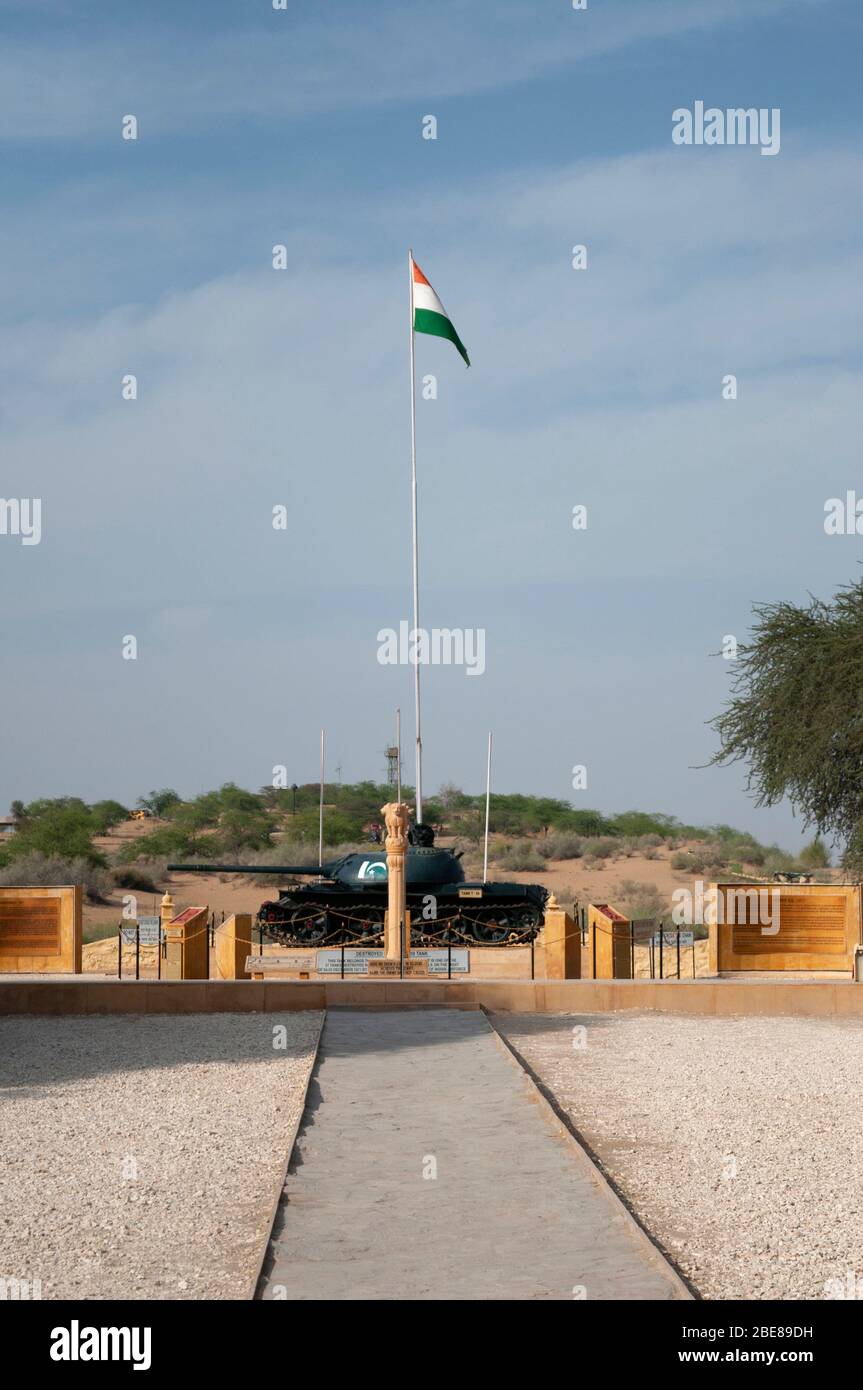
x=390 y=968
x=30 y=926
x=470 y=892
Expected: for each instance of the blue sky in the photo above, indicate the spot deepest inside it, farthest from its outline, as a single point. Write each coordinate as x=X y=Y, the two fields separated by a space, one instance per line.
x=259 y=387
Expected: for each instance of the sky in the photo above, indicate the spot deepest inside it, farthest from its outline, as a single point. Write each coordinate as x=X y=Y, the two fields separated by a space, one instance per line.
x=260 y=387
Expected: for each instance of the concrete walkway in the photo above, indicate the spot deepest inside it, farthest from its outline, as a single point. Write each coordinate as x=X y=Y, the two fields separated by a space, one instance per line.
x=516 y=1209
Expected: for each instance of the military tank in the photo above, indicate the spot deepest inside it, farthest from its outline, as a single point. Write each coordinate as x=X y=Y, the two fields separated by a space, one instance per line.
x=347 y=902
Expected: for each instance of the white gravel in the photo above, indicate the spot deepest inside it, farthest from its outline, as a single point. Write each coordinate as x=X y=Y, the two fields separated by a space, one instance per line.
x=139 y=1154
x=738 y=1141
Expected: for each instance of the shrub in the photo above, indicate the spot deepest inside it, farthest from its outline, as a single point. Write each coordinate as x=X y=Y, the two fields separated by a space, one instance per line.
x=521 y=856
x=40 y=870
x=816 y=855
x=560 y=845
x=601 y=848
x=136 y=879
x=635 y=899
x=685 y=861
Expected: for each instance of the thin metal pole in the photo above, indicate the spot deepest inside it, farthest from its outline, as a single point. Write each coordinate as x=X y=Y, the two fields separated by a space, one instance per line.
x=321 y=807
x=416 y=573
x=119 y=953
x=398 y=755
x=661 y=945
x=678 y=953
x=137 y=951
x=487 y=805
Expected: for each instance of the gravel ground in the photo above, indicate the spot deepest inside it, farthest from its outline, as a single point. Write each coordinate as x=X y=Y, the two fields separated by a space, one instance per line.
x=737 y=1141
x=139 y=1154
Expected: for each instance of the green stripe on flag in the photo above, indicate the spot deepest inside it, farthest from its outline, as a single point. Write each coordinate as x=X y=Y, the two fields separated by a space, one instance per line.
x=427 y=321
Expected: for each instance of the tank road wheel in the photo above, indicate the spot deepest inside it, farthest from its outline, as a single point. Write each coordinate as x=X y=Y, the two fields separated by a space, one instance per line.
x=527 y=922
x=308 y=928
x=371 y=925
x=492 y=933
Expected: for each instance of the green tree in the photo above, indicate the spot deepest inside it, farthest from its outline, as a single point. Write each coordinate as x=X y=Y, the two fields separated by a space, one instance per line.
x=61 y=828
x=160 y=802
x=795 y=716
x=104 y=814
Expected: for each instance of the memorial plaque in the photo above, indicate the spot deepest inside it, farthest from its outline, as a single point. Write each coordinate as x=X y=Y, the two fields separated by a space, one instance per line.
x=441 y=961
x=30 y=926
x=806 y=925
x=762 y=926
x=396 y=969
x=329 y=960
x=259 y=965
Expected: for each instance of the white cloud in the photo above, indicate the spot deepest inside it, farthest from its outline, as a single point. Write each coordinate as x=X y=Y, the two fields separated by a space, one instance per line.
x=76 y=83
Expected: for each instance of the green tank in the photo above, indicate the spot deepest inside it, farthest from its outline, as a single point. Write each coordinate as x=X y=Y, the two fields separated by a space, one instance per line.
x=346 y=903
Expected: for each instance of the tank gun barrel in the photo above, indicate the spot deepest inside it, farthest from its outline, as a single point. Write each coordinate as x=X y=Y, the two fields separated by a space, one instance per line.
x=257 y=869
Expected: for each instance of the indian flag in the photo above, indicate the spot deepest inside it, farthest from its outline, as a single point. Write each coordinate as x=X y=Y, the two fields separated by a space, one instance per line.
x=429 y=314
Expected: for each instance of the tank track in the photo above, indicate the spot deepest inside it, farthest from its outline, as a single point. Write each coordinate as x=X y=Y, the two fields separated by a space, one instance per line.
x=356 y=922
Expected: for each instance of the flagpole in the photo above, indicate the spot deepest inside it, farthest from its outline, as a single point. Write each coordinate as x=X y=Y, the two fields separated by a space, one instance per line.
x=416 y=581
x=487 y=806
x=321 y=807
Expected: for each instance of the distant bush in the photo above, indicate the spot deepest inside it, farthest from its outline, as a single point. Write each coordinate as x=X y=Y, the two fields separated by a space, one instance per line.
x=135 y=879
x=39 y=870
x=600 y=847
x=636 y=900
x=685 y=861
x=560 y=845
x=777 y=860
x=169 y=842
x=816 y=855
x=521 y=856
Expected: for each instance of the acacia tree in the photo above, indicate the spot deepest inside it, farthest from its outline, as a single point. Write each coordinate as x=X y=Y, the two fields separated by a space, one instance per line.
x=796 y=714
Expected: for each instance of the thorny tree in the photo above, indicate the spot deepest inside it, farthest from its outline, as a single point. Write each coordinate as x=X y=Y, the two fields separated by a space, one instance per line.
x=796 y=715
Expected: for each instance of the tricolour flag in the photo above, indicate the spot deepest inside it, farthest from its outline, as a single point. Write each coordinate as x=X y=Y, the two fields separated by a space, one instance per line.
x=429 y=314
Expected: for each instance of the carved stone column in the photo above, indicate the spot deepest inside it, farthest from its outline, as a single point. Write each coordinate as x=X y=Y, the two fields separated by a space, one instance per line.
x=397 y=817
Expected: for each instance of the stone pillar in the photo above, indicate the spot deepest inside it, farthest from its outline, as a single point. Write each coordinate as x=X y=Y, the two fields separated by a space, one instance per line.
x=397 y=817
x=172 y=966
x=561 y=940
x=233 y=946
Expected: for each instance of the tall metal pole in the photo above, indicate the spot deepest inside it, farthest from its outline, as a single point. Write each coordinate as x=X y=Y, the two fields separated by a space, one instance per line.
x=416 y=578
x=321 y=807
x=398 y=755
x=487 y=804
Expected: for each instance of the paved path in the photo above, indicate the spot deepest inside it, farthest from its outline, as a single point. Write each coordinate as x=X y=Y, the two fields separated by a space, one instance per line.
x=516 y=1210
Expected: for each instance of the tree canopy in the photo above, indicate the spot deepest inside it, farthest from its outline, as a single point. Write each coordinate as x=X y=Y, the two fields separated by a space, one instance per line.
x=795 y=715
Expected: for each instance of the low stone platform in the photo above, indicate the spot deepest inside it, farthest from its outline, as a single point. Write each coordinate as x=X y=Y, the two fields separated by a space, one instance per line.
x=721 y=997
